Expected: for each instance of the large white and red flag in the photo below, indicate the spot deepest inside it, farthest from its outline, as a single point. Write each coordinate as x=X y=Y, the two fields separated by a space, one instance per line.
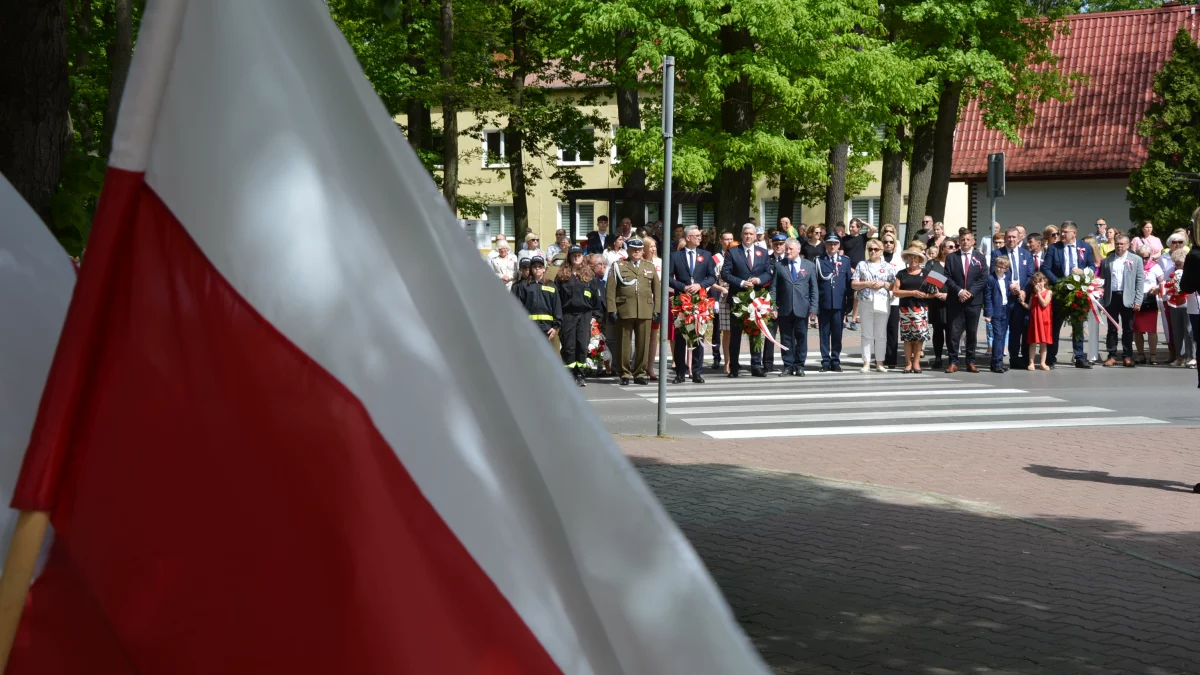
x=294 y=425
x=36 y=278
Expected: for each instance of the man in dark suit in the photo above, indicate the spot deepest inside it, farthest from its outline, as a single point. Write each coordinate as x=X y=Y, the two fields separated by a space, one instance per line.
x=692 y=269
x=745 y=268
x=1020 y=270
x=796 y=298
x=835 y=272
x=966 y=282
x=1062 y=258
x=598 y=238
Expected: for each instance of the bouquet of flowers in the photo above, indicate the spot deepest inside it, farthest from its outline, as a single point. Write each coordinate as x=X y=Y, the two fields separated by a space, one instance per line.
x=1075 y=293
x=691 y=314
x=598 y=356
x=1171 y=294
x=753 y=307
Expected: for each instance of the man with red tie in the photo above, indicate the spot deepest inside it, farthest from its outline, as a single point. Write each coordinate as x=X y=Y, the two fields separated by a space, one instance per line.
x=966 y=281
x=745 y=268
x=692 y=270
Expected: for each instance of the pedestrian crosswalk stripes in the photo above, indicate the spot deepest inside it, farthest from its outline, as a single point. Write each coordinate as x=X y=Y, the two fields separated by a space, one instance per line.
x=916 y=404
x=925 y=428
x=852 y=403
x=873 y=416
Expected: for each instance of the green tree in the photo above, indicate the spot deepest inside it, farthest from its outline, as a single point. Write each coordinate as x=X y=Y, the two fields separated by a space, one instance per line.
x=1172 y=125
x=996 y=51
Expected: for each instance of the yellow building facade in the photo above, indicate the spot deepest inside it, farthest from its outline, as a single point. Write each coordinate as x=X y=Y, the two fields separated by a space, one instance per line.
x=480 y=176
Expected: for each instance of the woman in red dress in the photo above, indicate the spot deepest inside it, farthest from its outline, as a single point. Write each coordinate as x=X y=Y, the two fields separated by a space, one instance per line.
x=1040 y=331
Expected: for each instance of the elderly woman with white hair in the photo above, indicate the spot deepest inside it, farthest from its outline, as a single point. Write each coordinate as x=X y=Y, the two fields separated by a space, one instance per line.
x=503 y=264
x=1145 y=320
x=1176 y=248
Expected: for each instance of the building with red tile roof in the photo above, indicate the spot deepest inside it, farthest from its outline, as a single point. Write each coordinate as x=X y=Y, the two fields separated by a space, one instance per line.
x=1075 y=159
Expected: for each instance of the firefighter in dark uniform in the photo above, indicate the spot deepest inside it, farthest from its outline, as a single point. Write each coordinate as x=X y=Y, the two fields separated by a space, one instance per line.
x=580 y=298
x=540 y=298
x=633 y=304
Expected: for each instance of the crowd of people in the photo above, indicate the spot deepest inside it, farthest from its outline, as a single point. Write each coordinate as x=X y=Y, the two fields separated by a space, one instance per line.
x=935 y=289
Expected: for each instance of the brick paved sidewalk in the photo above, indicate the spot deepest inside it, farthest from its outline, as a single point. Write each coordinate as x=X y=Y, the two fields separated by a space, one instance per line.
x=1124 y=486
x=830 y=577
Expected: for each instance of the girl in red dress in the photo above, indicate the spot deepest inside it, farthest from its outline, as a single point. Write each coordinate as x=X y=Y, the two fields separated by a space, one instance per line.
x=1040 y=332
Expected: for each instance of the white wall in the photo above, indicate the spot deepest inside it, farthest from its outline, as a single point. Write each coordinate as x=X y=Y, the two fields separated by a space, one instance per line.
x=1038 y=203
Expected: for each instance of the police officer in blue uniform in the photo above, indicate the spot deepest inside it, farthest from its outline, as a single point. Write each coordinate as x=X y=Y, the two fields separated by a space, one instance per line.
x=835 y=273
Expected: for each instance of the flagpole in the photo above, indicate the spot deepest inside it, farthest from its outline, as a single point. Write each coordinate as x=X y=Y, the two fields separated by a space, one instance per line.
x=22 y=559
x=668 y=126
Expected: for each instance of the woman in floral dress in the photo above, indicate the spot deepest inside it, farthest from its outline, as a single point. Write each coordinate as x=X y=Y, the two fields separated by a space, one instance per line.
x=914 y=315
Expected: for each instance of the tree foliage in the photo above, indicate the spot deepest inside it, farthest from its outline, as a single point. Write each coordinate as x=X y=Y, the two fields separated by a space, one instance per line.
x=1172 y=125
x=91 y=37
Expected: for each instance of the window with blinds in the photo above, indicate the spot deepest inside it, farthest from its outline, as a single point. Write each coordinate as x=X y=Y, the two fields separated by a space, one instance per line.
x=500 y=219
x=689 y=214
x=651 y=212
x=866 y=209
x=770 y=213
x=585 y=214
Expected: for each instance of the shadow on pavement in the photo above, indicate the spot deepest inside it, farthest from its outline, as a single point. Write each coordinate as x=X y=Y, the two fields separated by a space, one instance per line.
x=832 y=577
x=1105 y=477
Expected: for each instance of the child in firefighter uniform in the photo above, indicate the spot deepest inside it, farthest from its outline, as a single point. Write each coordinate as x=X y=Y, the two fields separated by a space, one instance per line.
x=540 y=298
x=632 y=305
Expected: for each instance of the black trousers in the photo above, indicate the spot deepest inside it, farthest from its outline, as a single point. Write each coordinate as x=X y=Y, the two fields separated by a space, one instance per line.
x=1195 y=318
x=735 y=349
x=1124 y=316
x=679 y=350
x=576 y=334
x=938 y=326
x=793 y=334
x=893 y=337
x=1018 y=336
x=963 y=319
x=768 y=357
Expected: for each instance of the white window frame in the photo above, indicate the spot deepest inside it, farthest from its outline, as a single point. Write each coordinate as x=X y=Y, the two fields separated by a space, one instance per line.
x=512 y=225
x=612 y=150
x=579 y=162
x=874 y=203
x=566 y=223
x=503 y=150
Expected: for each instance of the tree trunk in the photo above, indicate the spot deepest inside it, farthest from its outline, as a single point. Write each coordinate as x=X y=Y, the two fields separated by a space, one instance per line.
x=513 y=136
x=119 y=57
x=787 y=198
x=82 y=115
x=737 y=118
x=449 y=111
x=629 y=115
x=34 y=99
x=890 y=198
x=835 y=192
x=943 y=149
x=920 y=170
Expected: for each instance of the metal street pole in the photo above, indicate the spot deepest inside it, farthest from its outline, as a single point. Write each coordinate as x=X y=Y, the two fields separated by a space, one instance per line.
x=668 y=127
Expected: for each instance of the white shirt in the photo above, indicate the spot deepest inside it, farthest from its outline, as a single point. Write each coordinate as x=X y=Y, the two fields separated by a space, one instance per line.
x=1119 y=264
x=553 y=250
x=1003 y=290
x=1072 y=257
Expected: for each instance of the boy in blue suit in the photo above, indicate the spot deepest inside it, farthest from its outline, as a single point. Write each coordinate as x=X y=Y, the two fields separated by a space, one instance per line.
x=998 y=302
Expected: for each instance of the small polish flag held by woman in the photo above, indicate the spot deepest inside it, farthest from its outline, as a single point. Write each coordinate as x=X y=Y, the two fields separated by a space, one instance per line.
x=935 y=279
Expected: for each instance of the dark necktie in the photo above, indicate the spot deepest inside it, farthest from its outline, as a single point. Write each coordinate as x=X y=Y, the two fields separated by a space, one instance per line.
x=794 y=273
x=691 y=262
